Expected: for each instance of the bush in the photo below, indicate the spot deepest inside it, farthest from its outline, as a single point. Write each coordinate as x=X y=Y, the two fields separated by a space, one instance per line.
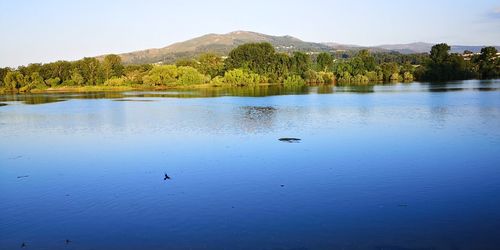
x=312 y=76
x=239 y=77
x=53 y=82
x=360 y=79
x=395 y=77
x=161 y=75
x=345 y=78
x=218 y=80
x=294 y=80
x=372 y=76
x=408 y=77
x=115 y=81
x=189 y=75
x=14 y=80
x=328 y=77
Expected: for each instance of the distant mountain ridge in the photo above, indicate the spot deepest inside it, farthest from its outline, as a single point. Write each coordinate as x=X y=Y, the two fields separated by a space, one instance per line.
x=220 y=44
x=223 y=43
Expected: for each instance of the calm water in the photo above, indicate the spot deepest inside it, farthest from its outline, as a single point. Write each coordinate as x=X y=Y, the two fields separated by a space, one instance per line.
x=393 y=167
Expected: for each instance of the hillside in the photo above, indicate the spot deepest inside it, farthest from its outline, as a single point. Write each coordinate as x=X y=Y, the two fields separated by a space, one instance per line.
x=220 y=44
x=223 y=43
x=421 y=47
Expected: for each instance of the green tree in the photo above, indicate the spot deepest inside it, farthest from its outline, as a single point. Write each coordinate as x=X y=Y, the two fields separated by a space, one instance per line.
x=112 y=66
x=324 y=61
x=3 y=72
x=90 y=69
x=36 y=81
x=301 y=62
x=161 y=75
x=189 y=75
x=76 y=78
x=256 y=57
x=14 y=80
x=489 y=63
x=439 y=53
x=210 y=64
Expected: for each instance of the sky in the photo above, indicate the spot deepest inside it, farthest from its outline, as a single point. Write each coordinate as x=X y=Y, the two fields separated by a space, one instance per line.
x=43 y=31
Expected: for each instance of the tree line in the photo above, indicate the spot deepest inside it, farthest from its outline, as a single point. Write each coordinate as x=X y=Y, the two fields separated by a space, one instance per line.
x=256 y=63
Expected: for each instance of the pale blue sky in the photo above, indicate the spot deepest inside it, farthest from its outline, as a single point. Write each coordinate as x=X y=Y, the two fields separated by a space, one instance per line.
x=44 y=31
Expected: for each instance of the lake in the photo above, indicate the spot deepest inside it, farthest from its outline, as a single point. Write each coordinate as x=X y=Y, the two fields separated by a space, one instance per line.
x=393 y=167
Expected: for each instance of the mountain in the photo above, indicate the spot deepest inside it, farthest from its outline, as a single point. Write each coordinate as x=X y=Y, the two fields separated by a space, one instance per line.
x=408 y=48
x=421 y=47
x=223 y=43
x=220 y=44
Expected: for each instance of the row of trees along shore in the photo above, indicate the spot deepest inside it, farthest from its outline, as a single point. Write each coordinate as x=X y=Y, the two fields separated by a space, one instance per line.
x=258 y=63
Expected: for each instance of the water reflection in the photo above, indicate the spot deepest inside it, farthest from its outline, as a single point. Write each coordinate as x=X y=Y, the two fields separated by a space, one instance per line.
x=399 y=168
x=257 y=91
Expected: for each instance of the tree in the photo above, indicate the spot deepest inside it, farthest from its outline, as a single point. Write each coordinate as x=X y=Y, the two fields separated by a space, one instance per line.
x=112 y=66
x=161 y=75
x=489 y=64
x=324 y=61
x=3 y=72
x=189 y=75
x=301 y=62
x=439 y=53
x=390 y=71
x=256 y=57
x=77 y=78
x=14 y=80
x=211 y=64
x=36 y=80
x=445 y=66
x=367 y=59
x=280 y=67
x=90 y=69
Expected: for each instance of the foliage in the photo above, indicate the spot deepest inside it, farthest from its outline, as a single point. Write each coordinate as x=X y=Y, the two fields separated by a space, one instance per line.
x=324 y=61
x=189 y=75
x=294 y=80
x=14 y=80
x=255 y=57
x=112 y=66
x=488 y=63
x=161 y=75
x=255 y=63
x=240 y=77
x=53 y=82
x=210 y=64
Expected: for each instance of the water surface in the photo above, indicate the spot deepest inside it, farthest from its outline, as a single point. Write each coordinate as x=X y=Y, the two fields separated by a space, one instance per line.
x=405 y=166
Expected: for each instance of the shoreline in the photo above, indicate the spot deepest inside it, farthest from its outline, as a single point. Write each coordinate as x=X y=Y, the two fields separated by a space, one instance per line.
x=104 y=88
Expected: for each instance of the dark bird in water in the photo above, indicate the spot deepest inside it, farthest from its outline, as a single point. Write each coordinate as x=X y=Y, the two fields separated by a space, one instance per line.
x=67 y=241
x=166 y=176
x=23 y=245
x=289 y=140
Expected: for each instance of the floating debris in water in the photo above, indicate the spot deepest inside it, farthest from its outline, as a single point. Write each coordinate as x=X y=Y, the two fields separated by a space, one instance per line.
x=22 y=176
x=282 y=185
x=23 y=245
x=67 y=241
x=290 y=140
x=166 y=177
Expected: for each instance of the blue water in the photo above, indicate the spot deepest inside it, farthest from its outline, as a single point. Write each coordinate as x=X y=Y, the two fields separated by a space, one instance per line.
x=407 y=166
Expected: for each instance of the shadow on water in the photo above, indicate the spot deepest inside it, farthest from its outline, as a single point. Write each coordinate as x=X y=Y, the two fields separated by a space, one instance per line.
x=256 y=91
